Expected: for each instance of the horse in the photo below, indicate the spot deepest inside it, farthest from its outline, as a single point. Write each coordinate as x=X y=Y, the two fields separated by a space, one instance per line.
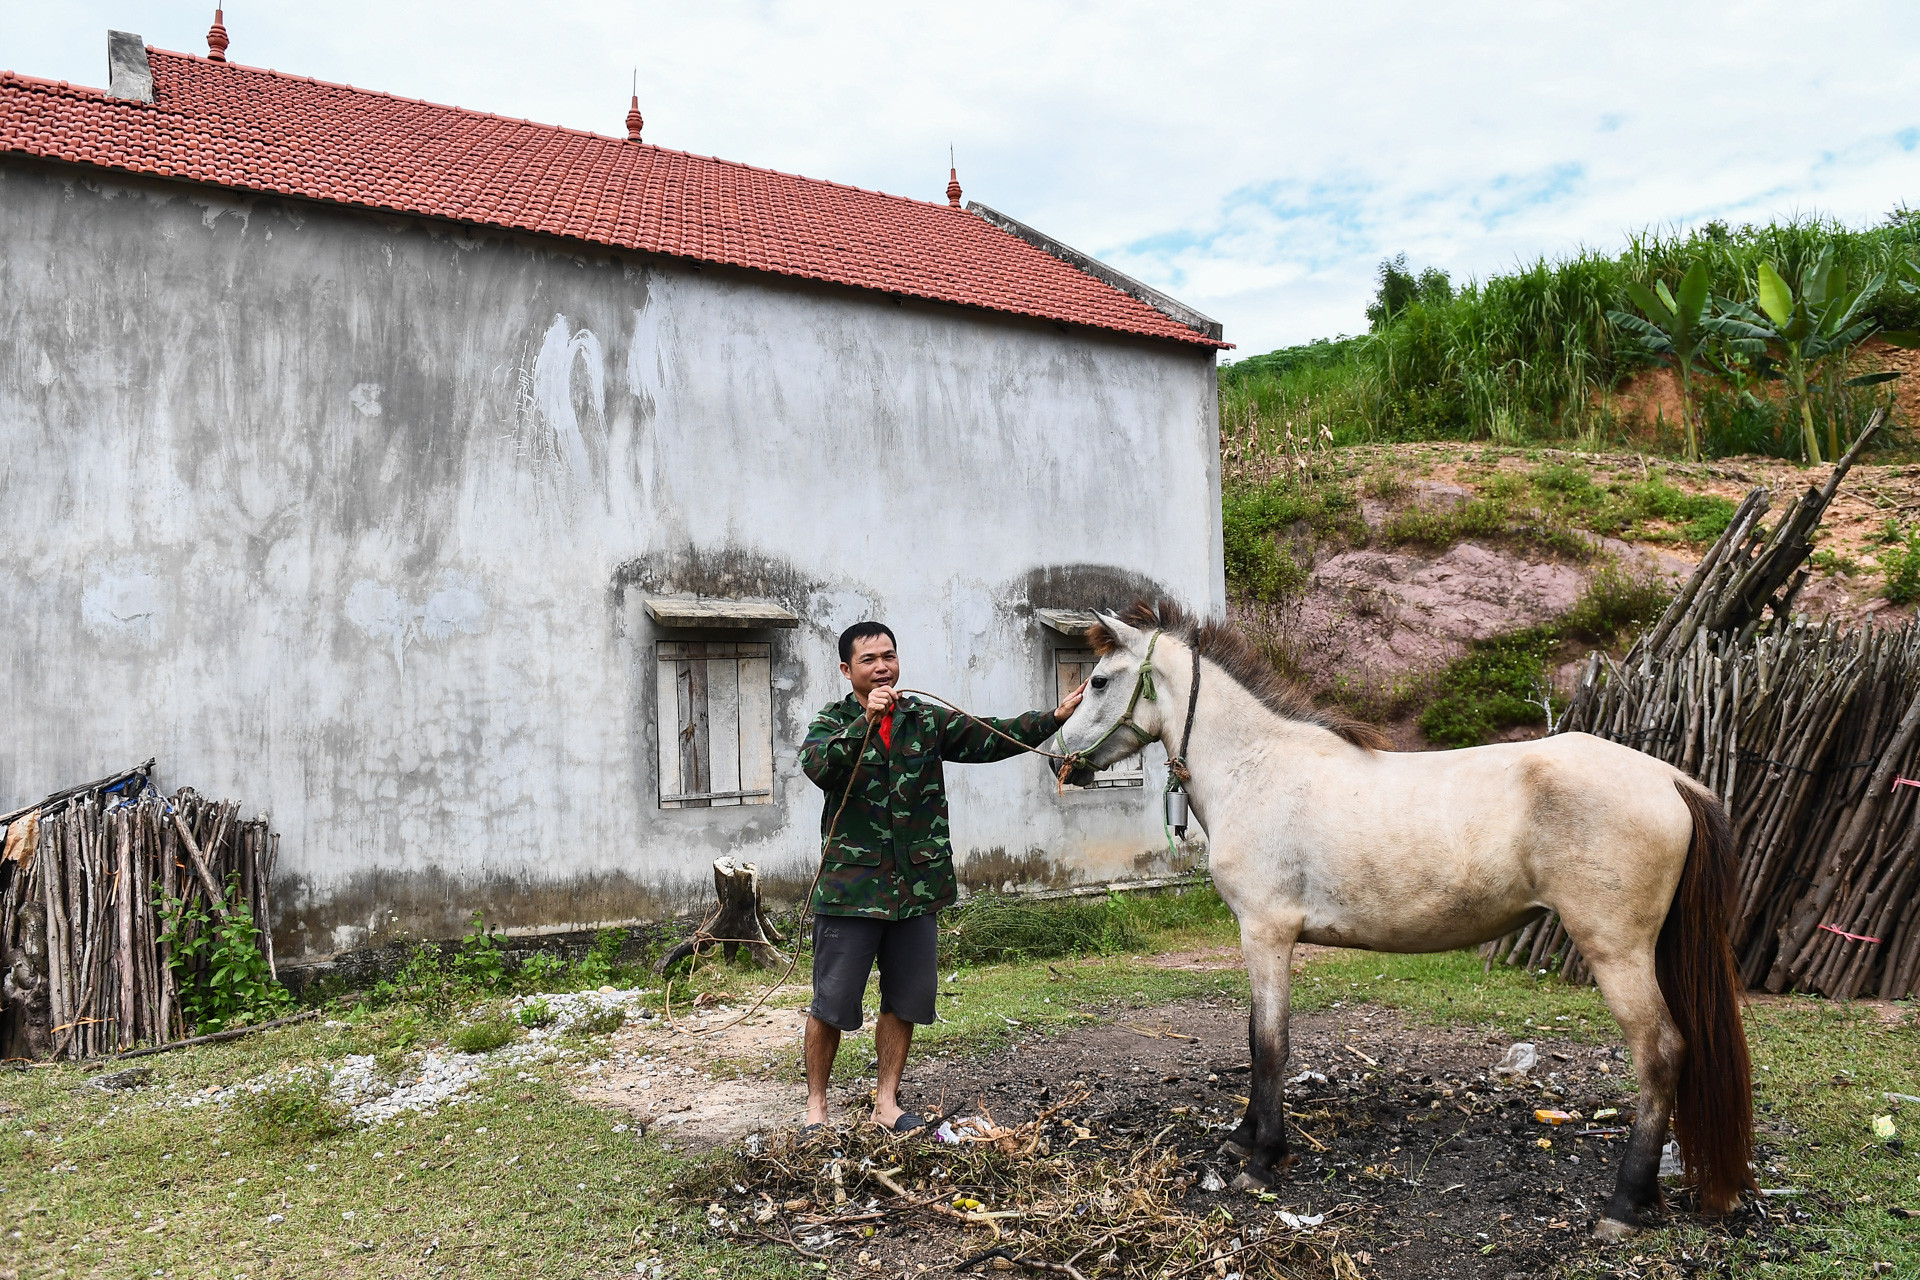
x=1316 y=832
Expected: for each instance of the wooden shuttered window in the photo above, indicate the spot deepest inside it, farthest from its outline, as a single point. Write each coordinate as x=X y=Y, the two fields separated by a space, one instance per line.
x=1071 y=667
x=716 y=724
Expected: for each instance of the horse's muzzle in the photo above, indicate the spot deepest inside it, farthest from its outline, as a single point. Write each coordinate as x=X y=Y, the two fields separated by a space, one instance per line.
x=1076 y=773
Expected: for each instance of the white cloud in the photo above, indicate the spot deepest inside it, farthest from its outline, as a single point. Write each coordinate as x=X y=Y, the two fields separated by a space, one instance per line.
x=1255 y=160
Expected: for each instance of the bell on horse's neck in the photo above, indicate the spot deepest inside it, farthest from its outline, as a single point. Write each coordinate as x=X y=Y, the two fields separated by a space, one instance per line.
x=1177 y=811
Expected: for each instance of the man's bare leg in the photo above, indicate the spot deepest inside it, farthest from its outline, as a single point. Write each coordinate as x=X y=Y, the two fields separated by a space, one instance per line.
x=891 y=1038
x=823 y=1042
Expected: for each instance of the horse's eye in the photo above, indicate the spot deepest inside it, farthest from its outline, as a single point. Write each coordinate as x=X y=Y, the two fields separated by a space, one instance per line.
x=1098 y=683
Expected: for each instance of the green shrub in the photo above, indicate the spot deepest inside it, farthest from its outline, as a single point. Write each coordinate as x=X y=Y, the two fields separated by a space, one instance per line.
x=425 y=982
x=1900 y=563
x=544 y=971
x=596 y=967
x=537 y=1013
x=483 y=1036
x=481 y=962
x=223 y=974
x=1497 y=684
x=1259 y=565
x=1615 y=600
x=291 y=1113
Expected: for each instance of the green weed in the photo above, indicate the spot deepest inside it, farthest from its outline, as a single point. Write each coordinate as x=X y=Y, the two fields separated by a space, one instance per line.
x=537 y=1013
x=483 y=1036
x=1497 y=684
x=1616 y=601
x=223 y=973
x=1900 y=565
x=1260 y=565
x=600 y=1022
x=290 y=1113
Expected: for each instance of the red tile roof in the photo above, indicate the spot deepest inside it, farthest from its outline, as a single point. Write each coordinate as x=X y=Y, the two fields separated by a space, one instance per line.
x=254 y=130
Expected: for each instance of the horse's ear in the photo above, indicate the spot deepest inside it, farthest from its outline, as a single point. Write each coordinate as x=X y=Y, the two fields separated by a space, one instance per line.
x=1120 y=635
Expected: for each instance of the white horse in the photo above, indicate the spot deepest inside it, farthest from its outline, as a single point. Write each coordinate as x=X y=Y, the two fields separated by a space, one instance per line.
x=1317 y=834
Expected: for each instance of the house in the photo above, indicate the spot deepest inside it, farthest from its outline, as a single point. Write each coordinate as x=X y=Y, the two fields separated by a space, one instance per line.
x=484 y=499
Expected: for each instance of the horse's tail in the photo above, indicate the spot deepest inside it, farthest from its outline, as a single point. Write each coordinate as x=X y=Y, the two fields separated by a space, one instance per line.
x=1713 y=1114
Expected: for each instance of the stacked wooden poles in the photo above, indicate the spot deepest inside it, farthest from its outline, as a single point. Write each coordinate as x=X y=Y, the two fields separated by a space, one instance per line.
x=80 y=917
x=1804 y=732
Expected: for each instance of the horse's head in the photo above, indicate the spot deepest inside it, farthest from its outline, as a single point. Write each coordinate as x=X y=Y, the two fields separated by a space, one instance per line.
x=1121 y=711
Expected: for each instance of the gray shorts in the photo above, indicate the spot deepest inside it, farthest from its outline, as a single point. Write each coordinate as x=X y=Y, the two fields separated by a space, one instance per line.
x=844 y=949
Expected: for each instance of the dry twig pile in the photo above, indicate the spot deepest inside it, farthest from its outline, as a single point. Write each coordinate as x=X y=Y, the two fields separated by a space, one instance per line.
x=88 y=970
x=1043 y=1196
x=1805 y=733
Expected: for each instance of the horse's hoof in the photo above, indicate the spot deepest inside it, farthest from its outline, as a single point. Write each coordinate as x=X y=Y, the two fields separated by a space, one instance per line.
x=1613 y=1230
x=1250 y=1182
x=1234 y=1151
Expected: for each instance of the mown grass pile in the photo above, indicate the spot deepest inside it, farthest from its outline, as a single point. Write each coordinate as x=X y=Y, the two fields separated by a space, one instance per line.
x=991 y=927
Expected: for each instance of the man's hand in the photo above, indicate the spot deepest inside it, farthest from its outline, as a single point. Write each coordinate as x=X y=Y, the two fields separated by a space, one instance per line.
x=1068 y=703
x=879 y=702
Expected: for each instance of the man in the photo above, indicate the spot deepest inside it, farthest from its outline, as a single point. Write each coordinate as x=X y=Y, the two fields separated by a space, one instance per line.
x=888 y=869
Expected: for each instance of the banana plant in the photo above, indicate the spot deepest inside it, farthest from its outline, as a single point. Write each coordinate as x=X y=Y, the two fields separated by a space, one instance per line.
x=1796 y=336
x=1674 y=328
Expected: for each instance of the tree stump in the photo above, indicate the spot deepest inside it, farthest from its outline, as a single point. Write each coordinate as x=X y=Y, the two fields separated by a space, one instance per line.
x=740 y=922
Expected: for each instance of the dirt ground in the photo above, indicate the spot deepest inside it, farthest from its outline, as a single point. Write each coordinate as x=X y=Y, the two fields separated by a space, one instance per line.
x=1431 y=1167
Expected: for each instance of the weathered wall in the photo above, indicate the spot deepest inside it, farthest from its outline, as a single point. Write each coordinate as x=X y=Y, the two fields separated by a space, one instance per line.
x=349 y=518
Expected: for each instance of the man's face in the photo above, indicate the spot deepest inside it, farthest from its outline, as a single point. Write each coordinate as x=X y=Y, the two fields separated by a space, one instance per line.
x=874 y=664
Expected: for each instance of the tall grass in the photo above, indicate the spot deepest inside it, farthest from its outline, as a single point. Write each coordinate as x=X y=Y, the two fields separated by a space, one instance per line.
x=1529 y=354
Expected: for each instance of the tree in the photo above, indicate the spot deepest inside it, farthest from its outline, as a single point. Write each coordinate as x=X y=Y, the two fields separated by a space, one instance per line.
x=1399 y=289
x=1798 y=335
x=1675 y=330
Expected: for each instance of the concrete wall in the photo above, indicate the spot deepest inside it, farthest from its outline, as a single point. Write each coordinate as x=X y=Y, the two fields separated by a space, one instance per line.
x=349 y=518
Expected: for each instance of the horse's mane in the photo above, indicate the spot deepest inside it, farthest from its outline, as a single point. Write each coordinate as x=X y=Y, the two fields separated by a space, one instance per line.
x=1217 y=640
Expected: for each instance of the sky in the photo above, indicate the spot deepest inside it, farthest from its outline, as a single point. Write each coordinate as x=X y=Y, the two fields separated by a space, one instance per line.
x=1255 y=161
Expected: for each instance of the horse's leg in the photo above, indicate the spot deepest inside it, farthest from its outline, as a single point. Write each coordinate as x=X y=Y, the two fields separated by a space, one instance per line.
x=1633 y=993
x=1269 y=956
x=1239 y=1143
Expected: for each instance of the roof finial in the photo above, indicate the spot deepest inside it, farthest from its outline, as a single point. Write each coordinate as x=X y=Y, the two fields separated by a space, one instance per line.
x=217 y=38
x=953 y=179
x=634 y=120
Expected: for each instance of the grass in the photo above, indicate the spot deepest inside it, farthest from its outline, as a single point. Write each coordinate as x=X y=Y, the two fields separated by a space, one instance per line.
x=522 y=1179
x=485 y=1035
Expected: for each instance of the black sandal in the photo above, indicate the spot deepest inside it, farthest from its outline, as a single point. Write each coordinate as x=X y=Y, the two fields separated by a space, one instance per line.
x=908 y=1122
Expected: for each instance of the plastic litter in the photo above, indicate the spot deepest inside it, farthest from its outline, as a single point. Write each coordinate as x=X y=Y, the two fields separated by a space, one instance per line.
x=1301 y=1221
x=1545 y=1116
x=1883 y=1128
x=1520 y=1059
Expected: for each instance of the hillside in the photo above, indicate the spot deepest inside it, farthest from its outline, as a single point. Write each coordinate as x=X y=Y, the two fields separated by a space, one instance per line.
x=1446 y=591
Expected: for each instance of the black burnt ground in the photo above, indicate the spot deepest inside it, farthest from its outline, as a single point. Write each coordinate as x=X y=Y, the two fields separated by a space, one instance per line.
x=1422 y=1162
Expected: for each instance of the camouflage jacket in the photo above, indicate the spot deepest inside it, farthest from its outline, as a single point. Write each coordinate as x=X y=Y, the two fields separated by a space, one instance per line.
x=890 y=857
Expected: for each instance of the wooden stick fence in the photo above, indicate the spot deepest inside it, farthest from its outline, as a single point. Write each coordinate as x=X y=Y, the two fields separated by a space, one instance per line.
x=1804 y=731
x=88 y=970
